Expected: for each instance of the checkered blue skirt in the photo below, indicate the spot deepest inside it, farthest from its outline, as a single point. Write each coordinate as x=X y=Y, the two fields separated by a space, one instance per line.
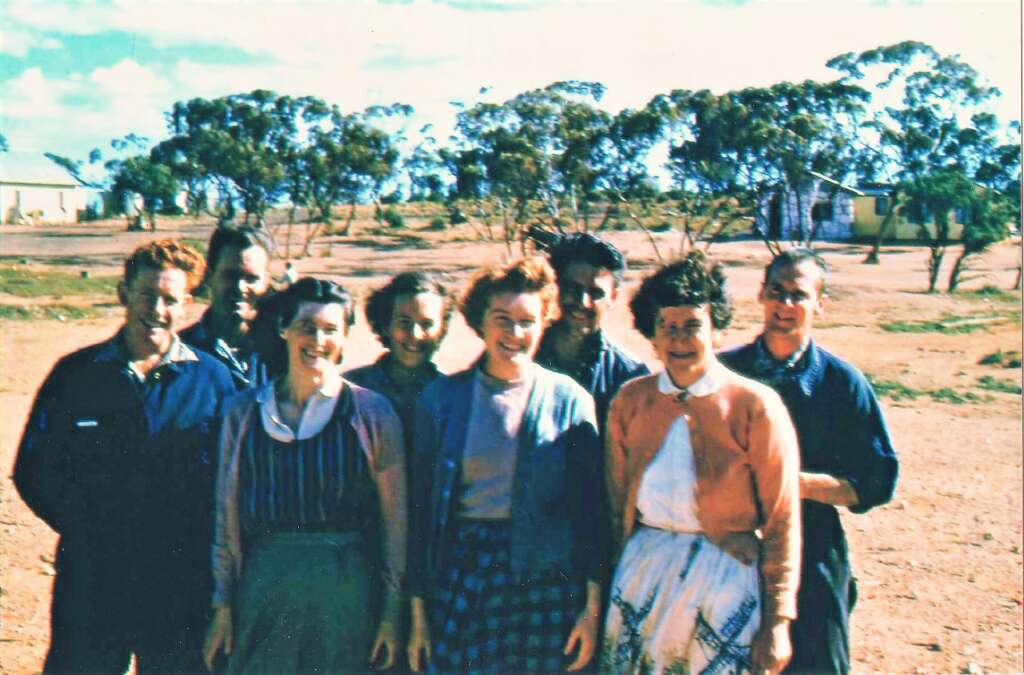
x=485 y=618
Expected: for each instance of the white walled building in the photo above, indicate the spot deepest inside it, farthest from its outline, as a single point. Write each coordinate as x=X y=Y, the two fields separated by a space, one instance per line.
x=34 y=190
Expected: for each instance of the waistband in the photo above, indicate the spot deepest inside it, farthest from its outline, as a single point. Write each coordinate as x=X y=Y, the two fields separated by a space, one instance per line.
x=308 y=538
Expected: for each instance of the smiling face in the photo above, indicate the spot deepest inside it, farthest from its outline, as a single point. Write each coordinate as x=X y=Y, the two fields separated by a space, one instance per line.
x=512 y=327
x=416 y=328
x=791 y=298
x=315 y=339
x=683 y=342
x=585 y=293
x=239 y=279
x=154 y=302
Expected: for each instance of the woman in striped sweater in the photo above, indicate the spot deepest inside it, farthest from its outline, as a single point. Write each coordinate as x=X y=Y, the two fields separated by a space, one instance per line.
x=309 y=546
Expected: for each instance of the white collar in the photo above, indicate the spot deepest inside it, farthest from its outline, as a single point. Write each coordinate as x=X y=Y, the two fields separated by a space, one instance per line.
x=707 y=384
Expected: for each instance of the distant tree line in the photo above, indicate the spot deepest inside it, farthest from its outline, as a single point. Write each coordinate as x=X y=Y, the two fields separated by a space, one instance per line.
x=903 y=114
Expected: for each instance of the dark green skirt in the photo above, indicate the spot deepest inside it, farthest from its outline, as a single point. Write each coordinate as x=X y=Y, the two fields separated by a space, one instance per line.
x=307 y=603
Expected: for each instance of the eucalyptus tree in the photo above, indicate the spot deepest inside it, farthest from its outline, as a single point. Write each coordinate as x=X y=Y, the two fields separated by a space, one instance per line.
x=927 y=123
x=151 y=180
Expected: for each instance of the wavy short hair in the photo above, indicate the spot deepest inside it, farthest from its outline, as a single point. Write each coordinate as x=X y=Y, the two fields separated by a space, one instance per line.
x=587 y=248
x=240 y=238
x=276 y=312
x=792 y=258
x=526 y=275
x=163 y=255
x=691 y=281
x=380 y=306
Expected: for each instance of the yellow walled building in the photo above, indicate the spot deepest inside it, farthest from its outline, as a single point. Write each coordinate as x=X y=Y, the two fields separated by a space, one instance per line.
x=870 y=207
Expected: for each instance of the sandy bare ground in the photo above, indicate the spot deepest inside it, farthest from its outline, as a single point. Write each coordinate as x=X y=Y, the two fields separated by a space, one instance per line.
x=940 y=568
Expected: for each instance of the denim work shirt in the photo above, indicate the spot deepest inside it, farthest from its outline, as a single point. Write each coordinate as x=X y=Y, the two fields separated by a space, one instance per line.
x=122 y=467
x=248 y=371
x=842 y=433
x=604 y=368
x=558 y=494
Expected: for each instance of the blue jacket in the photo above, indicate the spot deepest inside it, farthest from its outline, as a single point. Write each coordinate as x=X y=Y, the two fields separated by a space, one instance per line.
x=605 y=368
x=559 y=503
x=249 y=373
x=123 y=469
x=843 y=433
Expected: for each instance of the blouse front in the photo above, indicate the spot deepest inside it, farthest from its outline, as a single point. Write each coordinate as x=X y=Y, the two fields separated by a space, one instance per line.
x=318 y=480
x=666 y=499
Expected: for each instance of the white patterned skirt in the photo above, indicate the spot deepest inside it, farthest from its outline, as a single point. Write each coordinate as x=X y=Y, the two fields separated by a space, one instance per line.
x=679 y=604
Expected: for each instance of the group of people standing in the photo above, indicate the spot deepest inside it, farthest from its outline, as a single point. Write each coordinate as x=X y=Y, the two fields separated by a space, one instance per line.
x=554 y=506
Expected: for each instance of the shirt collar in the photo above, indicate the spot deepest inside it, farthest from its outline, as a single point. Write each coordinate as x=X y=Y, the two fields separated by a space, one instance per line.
x=115 y=350
x=706 y=384
x=803 y=366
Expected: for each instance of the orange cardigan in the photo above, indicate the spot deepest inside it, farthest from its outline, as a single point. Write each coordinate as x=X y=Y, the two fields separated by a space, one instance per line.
x=747 y=464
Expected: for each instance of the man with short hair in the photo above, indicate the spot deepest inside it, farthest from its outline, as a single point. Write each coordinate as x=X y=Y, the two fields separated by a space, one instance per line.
x=847 y=458
x=589 y=271
x=237 y=274
x=116 y=457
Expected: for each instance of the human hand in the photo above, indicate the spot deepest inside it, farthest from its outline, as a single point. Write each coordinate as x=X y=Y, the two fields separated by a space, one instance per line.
x=219 y=634
x=771 y=648
x=419 y=637
x=583 y=635
x=385 y=642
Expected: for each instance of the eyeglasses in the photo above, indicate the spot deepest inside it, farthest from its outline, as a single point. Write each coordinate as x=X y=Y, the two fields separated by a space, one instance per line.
x=776 y=294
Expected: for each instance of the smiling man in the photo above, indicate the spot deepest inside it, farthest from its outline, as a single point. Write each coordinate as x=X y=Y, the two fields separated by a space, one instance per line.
x=589 y=271
x=237 y=274
x=116 y=458
x=847 y=458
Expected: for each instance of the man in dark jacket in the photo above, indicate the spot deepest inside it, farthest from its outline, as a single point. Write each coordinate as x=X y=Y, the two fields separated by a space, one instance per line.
x=237 y=276
x=589 y=271
x=847 y=458
x=116 y=457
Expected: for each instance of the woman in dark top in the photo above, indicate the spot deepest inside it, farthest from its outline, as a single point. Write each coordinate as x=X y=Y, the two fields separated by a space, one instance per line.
x=309 y=546
x=409 y=315
x=509 y=545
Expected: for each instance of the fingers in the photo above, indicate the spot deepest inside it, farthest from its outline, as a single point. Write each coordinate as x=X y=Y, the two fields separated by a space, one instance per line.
x=570 y=644
x=210 y=650
x=375 y=652
x=584 y=656
x=389 y=645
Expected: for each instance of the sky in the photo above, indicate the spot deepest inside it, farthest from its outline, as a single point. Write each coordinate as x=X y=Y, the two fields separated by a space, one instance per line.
x=75 y=74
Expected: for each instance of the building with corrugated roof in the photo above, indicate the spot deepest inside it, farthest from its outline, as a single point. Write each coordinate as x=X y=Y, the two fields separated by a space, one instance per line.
x=35 y=190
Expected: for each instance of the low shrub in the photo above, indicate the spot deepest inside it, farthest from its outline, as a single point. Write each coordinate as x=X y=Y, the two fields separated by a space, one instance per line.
x=393 y=218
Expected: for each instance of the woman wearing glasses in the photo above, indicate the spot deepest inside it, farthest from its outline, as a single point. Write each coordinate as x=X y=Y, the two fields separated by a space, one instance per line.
x=508 y=543
x=698 y=458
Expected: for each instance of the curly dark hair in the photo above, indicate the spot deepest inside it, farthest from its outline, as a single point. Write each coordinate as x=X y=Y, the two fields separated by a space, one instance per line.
x=526 y=275
x=381 y=304
x=690 y=281
x=587 y=248
x=239 y=238
x=276 y=312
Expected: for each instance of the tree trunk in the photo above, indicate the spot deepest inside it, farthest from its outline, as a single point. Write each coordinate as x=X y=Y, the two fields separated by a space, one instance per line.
x=351 y=216
x=152 y=219
x=958 y=267
x=938 y=252
x=883 y=230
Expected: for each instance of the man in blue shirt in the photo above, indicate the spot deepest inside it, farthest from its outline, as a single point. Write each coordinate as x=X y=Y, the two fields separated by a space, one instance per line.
x=589 y=271
x=847 y=458
x=116 y=457
x=237 y=275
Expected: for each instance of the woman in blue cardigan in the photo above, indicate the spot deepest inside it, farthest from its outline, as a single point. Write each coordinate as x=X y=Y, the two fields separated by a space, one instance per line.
x=509 y=544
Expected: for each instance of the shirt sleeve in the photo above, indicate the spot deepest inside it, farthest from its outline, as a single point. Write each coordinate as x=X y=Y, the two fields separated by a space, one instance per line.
x=775 y=461
x=390 y=478
x=424 y=450
x=867 y=460
x=226 y=528
x=42 y=472
x=615 y=469
x=592 y=527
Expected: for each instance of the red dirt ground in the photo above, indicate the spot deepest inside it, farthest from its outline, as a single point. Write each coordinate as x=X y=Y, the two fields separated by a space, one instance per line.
x=939 y=568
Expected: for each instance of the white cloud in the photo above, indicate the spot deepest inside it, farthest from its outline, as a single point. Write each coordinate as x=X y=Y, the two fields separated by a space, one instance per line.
x=51 y=43
x=128 y=78
x=428 y=54
x=32 y=95
x=15 y=43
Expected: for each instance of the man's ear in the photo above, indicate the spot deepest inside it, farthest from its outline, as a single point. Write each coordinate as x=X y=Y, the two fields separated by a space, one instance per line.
x=122 y=293
x=822 y=304
x=187 y=300
x=760 y=294
x=615 y=292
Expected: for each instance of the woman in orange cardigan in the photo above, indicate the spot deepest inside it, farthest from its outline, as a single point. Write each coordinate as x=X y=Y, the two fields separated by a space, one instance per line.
x=698 y=460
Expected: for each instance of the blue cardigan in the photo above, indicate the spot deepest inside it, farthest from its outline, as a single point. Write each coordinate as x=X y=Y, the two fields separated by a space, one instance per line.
x=559 y=504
